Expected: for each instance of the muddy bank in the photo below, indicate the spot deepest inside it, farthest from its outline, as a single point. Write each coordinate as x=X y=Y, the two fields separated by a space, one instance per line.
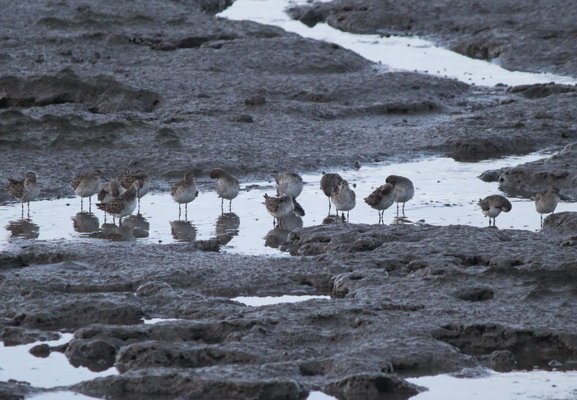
x=536 y=36
x=119 y=85
x=528 y=179
x=407 y=301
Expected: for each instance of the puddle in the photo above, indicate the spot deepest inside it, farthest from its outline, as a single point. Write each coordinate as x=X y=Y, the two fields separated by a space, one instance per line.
x=270 y=300
x=153 y=321
x=446 y=192
x=320 y=396
x=60 y=395
x=396 y=52
x=538 y=385
x=17 y=363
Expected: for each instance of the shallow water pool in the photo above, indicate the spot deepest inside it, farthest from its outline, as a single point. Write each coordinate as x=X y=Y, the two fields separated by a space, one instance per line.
x=446 y=192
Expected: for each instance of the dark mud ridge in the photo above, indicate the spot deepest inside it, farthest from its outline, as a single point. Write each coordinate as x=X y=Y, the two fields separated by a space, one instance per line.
x=528 y=36
x=406 y=301
x=140 y=84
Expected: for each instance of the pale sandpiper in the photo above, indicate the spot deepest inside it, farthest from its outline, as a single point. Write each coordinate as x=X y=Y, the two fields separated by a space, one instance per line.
x=329 y=183
x=25 y=190
x=290 y=184
x=546 y=201
x=227 y=187
x=493 y=205
x=87 y=184
x=184 y=191
x=381 y=199
x=402 y=188
x=343 y=198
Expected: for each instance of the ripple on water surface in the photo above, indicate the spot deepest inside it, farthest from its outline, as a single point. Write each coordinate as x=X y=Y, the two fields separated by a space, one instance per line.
x=446 y=192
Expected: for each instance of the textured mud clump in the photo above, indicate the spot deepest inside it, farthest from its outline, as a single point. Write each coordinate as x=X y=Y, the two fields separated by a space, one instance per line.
x=557 y=171
x=100 y=94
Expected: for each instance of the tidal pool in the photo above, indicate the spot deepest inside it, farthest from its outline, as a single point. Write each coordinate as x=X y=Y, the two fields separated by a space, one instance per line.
x=446 y=192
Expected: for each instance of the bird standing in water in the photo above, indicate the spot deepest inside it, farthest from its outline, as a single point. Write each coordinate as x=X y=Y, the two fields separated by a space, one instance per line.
x=382 y=198
x=87 y=184
x=493 y=205
x=403 y=189
x=279 y=207
x=25 y=190
x=546 y=202
x=128 y=179
x=122 y=205
x=184 y=191
x=227 y=187
x=329 y=183
x=343 y=198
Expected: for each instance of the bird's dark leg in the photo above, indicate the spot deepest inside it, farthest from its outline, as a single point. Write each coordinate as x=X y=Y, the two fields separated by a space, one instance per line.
x=81 y=203
x=222 y=204
x=179 y=211
x=403 y=210
x=329 y=206
x=89 y=203
x=541 y=221
x=230 y=205
x=186 y=212
x=397 y=209
x=347 y=215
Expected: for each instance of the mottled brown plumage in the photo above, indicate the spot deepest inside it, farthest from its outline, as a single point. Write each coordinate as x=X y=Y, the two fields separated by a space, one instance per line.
x=491 y=206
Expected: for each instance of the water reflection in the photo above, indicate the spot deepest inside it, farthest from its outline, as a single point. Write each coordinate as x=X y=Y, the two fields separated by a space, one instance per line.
x=23 y=228
x=138 y=224
x=277 y=237
x=85 y=222
x=227 y=227
x=114 y=232
x=183 y=231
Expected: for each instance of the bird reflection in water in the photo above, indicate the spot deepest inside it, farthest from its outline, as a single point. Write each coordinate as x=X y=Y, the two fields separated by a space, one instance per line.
x=113 y=232
x=85 y=222
x=183 y=231
x=227 y=225
x=23 y=228
x=139 y=225
x=278 y=236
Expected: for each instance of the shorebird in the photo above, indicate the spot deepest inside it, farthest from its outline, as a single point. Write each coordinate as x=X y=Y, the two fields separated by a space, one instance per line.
x=87 y=184
x=402 y=188
x=493 y=205
x=299 y=210
x=290 y=184
x=123 y=205
x=279 y=207
x=382 y=198
x=184 y=191
x=546 y=202
x=343 y=198
x=25 y=190
x=227 y=187
x=330 y=182
x=110 y=190
x=139 y=176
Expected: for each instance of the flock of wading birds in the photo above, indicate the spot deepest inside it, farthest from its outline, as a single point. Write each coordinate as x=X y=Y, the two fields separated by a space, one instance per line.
x=119 y=197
